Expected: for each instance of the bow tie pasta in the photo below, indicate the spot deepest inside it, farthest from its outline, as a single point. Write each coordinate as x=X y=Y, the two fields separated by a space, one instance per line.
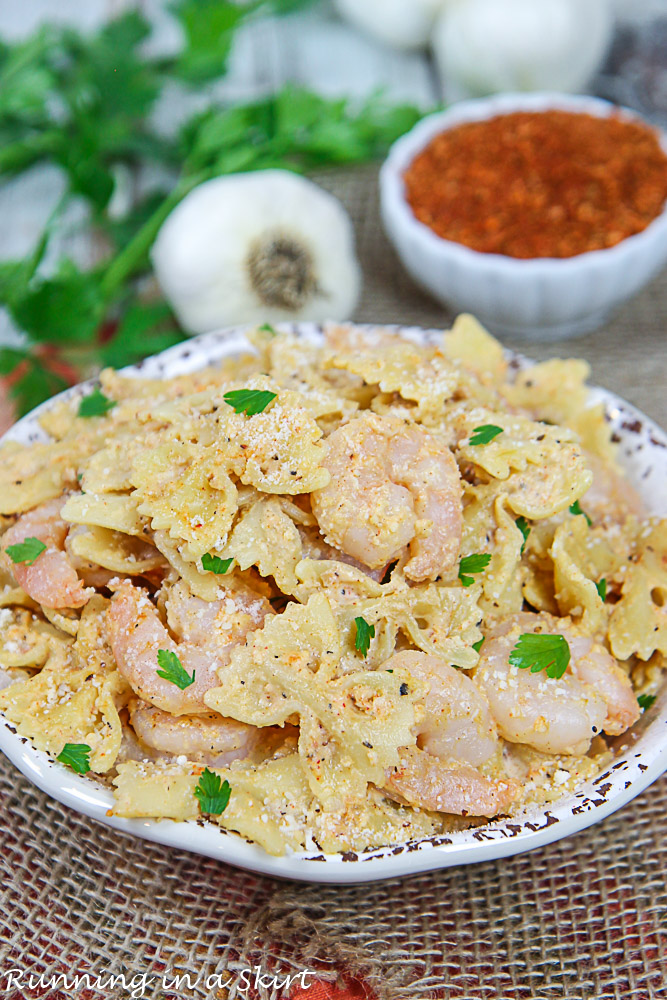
x=335 y=593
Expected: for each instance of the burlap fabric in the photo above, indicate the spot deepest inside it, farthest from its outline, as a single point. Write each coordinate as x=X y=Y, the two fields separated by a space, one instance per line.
x=581 y=920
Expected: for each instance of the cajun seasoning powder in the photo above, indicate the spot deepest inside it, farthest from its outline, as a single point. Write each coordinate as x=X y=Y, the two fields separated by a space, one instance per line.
x=539 y=184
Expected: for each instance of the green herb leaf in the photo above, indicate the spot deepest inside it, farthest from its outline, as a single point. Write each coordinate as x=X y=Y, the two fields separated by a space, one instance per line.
x=485 y=433
x=249 y=401
x=142 y=330
x=365 y=633
x=76 y=756
x=524 y=528
x=576 y=510
x=267 y=328
x=95 y=404
x=214 y=564
x=65 y=309
x=537 y=652
x=173 y=670
x=475 y=563
x=645 y=701
x=478 y=645
x=26 y=551
x=213 y=793
x=601 y=587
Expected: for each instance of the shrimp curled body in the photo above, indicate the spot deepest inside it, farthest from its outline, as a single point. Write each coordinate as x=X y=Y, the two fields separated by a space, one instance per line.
x=393 y=485
x=207 y=633
x=51 y=580
x=211 y=739
x=554 y=715
x=456 y=735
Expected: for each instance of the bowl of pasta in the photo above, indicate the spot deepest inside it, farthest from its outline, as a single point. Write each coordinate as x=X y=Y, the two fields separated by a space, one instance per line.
x=336 y=603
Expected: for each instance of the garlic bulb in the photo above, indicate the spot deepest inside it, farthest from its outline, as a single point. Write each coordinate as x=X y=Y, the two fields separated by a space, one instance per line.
x=483 y=46
x=257 y=247
x=403 y=24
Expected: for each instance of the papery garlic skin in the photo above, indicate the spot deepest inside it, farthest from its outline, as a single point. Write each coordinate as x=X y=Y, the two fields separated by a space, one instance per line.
x=485 y=47
x=257 y=247
x=403 y=24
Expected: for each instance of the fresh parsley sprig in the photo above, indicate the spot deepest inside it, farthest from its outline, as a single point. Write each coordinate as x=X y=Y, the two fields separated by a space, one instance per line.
x=85 y=103
x=26 y=551
x=485 y=434
x=524 y=528
x=76 y=756
x=601 y=587
x=645 y=701
x=172 y=669
x=575 y=509
x=249 y=401
x=364 y=634
x=215 y=564
x=95 y=404
x=541 y=651
x=212 y=793
x=475 y=563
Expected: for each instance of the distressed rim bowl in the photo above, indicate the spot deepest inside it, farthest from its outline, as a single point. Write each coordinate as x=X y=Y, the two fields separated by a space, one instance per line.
x=643 y=452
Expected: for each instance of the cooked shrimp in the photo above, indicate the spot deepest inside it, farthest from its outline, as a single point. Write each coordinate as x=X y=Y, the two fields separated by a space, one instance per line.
x=51 y=580
x=554 y=715
x=207 y=632
x=393 y=485
x=211 y=738
x=456 y=735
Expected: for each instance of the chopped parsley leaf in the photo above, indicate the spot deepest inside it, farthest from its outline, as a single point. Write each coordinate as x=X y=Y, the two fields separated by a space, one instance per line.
x=575 y=509
x=543 y=651
x=214 y=564
x=475 y=563
x=76 y=756
x=485 y=433
x=365 y=633
x=95 y=405
x=249 y=401
x=524 y=528
x=172 y=669
x=212 y=792
x=26 y=551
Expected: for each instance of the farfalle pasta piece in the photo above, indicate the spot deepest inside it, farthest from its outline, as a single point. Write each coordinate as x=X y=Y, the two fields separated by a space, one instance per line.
x=286 y=668
x=295 y=365
x=470 y=344
x=63 y=704
x=184 y=492
x=268 y=803
x=278 y=450
x=24 y=640
x=117 y=512
x=31 y=476
x=575 y=590
x=543 y=467
x=265 y=537
x=638 y=624
x=426 y=378
x=375 y=821
x=113 y=550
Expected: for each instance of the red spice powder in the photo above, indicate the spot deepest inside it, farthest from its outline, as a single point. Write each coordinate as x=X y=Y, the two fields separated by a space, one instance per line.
x=539 y=184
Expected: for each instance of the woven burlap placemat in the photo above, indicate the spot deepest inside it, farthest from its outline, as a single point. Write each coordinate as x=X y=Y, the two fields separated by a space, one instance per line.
x=583 y=919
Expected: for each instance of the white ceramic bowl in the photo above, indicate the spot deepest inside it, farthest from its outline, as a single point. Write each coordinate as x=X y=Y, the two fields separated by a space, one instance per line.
x=643 y=453
x=542 y=298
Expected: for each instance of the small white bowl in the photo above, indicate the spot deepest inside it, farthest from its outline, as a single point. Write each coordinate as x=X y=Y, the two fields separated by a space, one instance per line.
x=538 y=299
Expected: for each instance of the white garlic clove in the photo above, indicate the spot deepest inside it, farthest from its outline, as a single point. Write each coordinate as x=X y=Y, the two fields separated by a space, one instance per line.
x=257 y=247
x=485 y=47
x=403 y=24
